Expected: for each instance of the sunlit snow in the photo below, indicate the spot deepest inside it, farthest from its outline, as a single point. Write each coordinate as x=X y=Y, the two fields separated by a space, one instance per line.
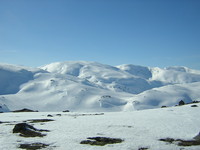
x=91 y=86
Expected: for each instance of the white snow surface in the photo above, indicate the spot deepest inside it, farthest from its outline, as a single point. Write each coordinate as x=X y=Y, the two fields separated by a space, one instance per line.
x=139 y=129
x=93 y=87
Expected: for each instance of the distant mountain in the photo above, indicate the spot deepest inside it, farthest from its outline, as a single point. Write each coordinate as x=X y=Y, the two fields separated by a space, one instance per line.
x=91 y=86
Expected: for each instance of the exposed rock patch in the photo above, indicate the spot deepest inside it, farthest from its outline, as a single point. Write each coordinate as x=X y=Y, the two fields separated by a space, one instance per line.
x=66 y=111
x=25 y=110
x=181 y=103
x=101 y=141
x=39 y=120
x=143 y=148
x=27 y=130
x=49 y=115
x=33 y=146
x=180 y=142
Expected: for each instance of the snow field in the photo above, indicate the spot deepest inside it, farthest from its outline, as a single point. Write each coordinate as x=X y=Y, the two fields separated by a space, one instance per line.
x=137 y=128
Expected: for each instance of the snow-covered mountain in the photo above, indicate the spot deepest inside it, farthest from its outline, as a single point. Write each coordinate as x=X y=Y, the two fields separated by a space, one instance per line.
x=91 y=86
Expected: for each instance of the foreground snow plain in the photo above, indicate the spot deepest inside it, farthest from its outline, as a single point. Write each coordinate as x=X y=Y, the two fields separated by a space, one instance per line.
x=139 y=129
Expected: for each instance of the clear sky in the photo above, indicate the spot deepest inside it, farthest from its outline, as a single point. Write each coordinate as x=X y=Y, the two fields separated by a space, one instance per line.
x=156 y=33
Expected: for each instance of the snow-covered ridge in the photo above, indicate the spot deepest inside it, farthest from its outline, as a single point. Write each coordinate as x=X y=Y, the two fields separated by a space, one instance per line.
x=91 y=86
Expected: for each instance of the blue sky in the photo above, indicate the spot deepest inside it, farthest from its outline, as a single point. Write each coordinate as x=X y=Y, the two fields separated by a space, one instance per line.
x=156 y=33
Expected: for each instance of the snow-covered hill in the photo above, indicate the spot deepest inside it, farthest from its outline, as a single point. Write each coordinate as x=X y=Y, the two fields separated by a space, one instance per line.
x=91 y=86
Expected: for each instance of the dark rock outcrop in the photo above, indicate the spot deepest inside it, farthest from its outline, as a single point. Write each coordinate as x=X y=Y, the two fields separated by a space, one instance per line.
x=181 y=103
x=39 y=120
x=25 y=110
x=33 y=146
x=27 y=130
x=195 y=141
x=66 y=111
x=101 y=141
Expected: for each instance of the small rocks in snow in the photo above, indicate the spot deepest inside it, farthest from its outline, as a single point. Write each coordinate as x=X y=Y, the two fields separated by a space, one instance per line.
x=168 y=140
x=39 y=120
x=164 y=107
x=143 y=148
x=49 y=115
x=195 y=101
x=33 y=146
x=106 y=96
x=101 y=141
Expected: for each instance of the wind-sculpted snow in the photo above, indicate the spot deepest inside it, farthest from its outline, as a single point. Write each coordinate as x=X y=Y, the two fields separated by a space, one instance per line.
x=91 y=86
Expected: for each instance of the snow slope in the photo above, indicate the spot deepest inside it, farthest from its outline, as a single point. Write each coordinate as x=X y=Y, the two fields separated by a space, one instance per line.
x=3 y=107
x=169 y=95
x=51 y=92
x=138 y=129
x=91 y=86
x=11 y=77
